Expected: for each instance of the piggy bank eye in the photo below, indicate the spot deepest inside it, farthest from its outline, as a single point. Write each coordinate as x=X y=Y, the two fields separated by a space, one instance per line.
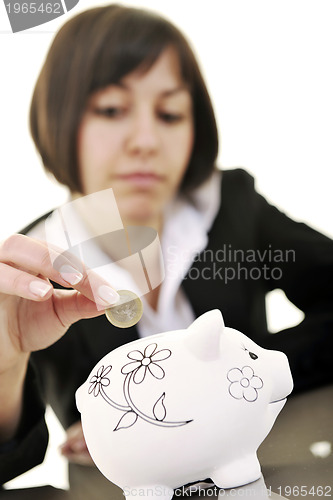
x=251 y=354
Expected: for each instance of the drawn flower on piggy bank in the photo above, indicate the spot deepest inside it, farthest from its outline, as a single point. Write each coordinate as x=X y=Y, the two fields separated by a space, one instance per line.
x=135 y=371
x=99 y=380
x=141 y=362
x=244 y=383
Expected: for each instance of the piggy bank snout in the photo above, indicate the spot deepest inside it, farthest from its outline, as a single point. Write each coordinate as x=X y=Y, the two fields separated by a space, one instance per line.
x=282 y=378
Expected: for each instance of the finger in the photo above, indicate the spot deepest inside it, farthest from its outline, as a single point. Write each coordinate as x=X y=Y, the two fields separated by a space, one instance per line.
x=78 y=458
x=75 y=448
x=19 y=283
x=75 y=445
x=76 y=452
x=97 y=290
x=75 y=430
x=71 y=306
x=38 y=258
x=91 y=285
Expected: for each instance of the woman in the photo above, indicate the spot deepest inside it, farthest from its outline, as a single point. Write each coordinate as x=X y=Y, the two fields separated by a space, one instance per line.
x=121 y=103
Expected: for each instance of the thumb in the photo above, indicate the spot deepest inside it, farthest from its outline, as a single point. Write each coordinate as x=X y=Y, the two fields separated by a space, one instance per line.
x=71 y=306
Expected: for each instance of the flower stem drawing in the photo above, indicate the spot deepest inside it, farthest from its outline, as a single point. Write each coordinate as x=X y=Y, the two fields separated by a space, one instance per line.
x=135 y=372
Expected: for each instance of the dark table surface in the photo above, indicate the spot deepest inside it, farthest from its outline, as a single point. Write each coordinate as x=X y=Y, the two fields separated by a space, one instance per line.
x=290 y=470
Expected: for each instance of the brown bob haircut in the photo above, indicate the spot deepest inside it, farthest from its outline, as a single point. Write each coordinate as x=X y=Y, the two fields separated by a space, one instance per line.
x=99 y=47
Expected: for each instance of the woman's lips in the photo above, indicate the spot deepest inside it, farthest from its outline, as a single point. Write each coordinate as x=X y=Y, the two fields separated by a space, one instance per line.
x=141 y=179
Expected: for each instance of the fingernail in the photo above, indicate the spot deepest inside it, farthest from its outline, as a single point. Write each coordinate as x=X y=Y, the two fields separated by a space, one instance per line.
x=108 y=295
x=39 y=288
x=70 y=274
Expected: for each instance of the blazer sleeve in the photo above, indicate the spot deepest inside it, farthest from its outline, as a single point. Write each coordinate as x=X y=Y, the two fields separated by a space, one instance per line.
x=28 y=447
x=301 y=264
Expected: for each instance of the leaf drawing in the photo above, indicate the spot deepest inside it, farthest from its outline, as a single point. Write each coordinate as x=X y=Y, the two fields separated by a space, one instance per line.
x=126 y=421
x=159 y=410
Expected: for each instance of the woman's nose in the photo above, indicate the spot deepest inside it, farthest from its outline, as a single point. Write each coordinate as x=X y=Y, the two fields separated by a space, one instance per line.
x=143 y=137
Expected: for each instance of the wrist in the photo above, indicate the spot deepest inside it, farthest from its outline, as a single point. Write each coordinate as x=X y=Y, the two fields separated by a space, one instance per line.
x=11 y=398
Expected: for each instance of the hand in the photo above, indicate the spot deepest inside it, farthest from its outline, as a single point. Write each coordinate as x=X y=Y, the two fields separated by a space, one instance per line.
x=75 y=448
x=34 y=315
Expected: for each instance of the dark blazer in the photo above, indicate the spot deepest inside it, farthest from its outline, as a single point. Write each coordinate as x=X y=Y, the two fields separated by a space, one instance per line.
x=252 y=248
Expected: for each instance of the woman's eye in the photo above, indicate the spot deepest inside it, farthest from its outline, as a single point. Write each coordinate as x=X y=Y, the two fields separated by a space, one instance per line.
x=170 y=117
x=110 y=111
x=252 y=355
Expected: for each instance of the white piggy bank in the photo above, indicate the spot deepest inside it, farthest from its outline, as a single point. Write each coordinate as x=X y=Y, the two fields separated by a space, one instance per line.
x=181 y=406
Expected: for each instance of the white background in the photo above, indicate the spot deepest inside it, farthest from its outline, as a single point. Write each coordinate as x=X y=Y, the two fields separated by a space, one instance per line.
x=268 y=66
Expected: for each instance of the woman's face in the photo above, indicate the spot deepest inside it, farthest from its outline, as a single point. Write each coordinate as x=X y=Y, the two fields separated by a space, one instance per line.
x=137 y=137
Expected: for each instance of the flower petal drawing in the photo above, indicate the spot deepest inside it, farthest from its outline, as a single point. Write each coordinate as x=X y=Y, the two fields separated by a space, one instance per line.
x=130 y=367
x=106 y=371
x=136 y=355
x=247 y=372
x=256 y=382
x=234 y=375
x=92 y=387
x=156 y=371
x=161 y=355
x=140 y=374
x=150 y=349
x=99 y=379
x=250 y=394
x=236 y=390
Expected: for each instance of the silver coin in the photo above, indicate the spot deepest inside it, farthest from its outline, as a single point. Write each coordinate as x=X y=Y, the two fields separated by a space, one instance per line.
x=127 y=311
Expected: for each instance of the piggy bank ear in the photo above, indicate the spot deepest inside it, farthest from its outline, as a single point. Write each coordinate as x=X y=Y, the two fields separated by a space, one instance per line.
x=205 y=335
